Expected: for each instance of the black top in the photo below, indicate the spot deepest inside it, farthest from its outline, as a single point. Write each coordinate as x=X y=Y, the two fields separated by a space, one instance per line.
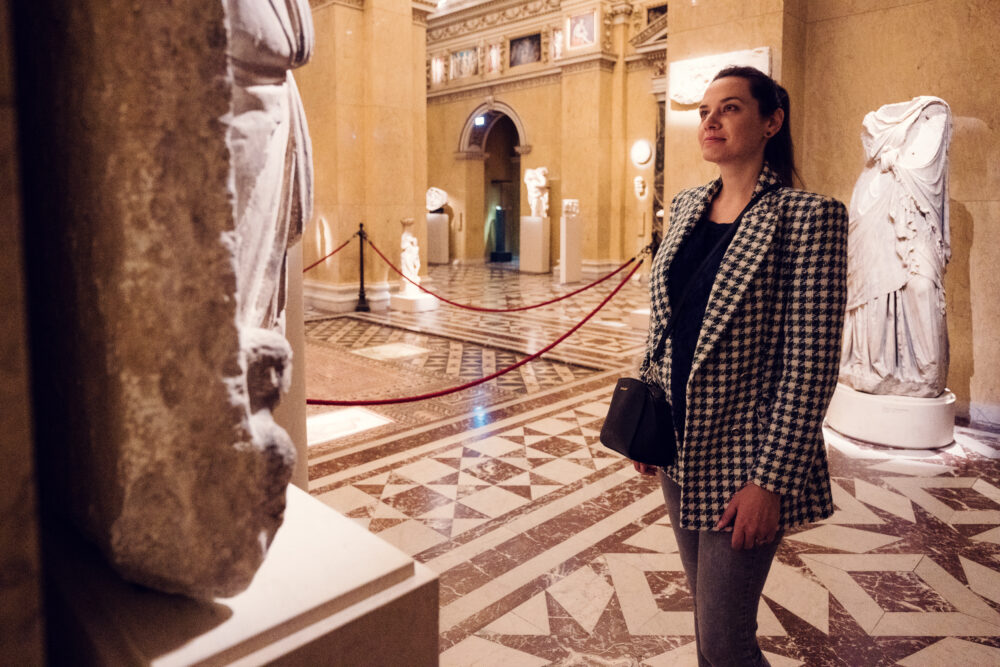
x=691 y=253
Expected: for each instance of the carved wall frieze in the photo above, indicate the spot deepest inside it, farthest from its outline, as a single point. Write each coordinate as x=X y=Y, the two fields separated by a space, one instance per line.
x=491 y=88
x=420 y=16
x=607 y=21
x=605 y=63
x=318 y=4
x=651 y=30
x=447 y=27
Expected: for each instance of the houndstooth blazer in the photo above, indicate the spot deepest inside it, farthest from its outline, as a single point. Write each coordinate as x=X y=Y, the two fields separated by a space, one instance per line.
x=765 y=365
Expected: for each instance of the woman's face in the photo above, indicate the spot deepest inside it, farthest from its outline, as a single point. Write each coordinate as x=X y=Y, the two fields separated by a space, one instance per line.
x=732 y=131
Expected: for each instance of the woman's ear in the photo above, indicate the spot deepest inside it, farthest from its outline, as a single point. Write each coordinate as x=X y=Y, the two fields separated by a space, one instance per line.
x=775 y=121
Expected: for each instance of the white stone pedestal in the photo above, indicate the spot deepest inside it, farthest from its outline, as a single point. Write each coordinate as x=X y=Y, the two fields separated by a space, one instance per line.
x=534 y=252
x=896 y=421
x=329 y=592
x=437 y=238
x=413 y=303
x=639 y=319
x=570 y=254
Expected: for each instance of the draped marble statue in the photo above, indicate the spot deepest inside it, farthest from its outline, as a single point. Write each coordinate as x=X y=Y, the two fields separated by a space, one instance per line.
x=895 y=336
x=537 y=182
x=409 y=259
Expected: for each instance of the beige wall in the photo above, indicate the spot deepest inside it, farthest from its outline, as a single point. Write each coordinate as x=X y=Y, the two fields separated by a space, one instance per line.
x=364 y=94
x=867 y=53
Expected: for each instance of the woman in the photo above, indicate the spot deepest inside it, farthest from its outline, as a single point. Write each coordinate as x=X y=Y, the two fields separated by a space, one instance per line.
x=752 y=360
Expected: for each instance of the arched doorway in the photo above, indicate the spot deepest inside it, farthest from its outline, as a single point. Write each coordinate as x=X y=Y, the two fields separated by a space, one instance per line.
x=502 y=190
x=494 y=132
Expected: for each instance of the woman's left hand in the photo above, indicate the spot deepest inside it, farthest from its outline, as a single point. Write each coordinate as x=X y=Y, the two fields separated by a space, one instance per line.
x=754 y=513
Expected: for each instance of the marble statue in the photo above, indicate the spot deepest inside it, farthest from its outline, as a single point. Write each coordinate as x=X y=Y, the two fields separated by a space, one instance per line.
x=409 y=259
x=436 y=198
x=571 y=207
x=537 y=181
x=639 y=183
x=895 y=335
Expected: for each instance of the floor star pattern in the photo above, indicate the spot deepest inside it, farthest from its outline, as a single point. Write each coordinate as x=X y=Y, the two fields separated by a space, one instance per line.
x=551 y=550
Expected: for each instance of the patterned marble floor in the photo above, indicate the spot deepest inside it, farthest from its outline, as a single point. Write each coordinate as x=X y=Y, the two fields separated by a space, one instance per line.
x=551 y=550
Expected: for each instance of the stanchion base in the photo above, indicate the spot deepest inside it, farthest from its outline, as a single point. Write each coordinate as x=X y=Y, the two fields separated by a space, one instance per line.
x=412 y=304
x=895 y=421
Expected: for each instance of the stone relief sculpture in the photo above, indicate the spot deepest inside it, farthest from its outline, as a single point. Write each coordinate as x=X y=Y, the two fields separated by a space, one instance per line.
x=895 y=336
x=537 y=181
x=689 y=78
x=639 y=184
x=409 y=259
x=436 y=198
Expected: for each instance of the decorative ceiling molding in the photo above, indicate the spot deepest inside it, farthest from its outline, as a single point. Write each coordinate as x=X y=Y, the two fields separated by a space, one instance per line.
x=490 y=15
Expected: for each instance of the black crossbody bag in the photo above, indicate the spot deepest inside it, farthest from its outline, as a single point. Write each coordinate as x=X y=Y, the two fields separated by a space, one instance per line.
x=640 y=421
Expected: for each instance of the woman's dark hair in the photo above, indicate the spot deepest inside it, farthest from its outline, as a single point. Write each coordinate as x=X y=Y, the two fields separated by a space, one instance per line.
x=778 y=153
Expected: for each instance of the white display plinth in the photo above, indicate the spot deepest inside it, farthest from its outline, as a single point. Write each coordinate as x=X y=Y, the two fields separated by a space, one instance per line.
x=437 y=238
x=639 y=319
x=570 y=254
x=328 y=592
x=895 y=421
x=534 y=252
x=413 y=303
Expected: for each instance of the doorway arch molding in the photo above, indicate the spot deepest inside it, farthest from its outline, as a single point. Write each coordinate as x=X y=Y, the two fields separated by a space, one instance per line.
x=473 y=142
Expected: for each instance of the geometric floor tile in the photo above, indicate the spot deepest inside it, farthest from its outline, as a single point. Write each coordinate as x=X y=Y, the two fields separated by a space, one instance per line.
x=914 y=489
x=583 y=594
x=971 y=616
x=530 y=618
x=411 y=537
x=687 y=656
x=799 y=594
x=844 y=538
x=885 y=500
x=484 y=653
x=984 y=581
x=655 y=537
x=849 y=510
x=953 y=653
x=643 y=615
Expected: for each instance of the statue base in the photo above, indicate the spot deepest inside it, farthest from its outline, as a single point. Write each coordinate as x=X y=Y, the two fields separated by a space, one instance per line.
x=413 y=303
x=895 y=421
x=535 y=235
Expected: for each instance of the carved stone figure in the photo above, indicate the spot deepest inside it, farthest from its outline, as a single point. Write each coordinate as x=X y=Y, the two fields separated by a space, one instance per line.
x=409 y=259
x=436 y=198
x=537 y=181
x=895 y=336
x=639 y=183
x=571 y=207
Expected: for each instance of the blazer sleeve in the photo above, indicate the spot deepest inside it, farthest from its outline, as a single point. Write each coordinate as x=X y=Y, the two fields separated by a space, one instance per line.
x=815 y=285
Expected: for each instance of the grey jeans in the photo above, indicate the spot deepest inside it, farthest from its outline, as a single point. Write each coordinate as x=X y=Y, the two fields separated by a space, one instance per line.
x=726 y=584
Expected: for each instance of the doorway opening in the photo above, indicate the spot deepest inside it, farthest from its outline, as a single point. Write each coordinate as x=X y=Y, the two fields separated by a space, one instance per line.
x=502 y=190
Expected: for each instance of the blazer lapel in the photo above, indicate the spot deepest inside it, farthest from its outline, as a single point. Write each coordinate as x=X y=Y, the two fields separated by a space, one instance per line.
x=740 y=264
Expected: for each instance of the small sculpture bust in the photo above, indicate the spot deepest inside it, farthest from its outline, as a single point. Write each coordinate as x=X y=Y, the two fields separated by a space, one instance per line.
x=409 y=259
x=570 y=207
x=640 y=187
x=436 y=198
x=895 y=334
x=537 y=181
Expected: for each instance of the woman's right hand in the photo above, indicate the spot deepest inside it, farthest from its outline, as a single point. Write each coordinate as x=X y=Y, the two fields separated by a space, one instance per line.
x=644 y=469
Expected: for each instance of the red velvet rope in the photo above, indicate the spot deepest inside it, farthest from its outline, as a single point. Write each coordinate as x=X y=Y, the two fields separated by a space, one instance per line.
x=468 y=385
x=497 y=310
x=323 y=259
